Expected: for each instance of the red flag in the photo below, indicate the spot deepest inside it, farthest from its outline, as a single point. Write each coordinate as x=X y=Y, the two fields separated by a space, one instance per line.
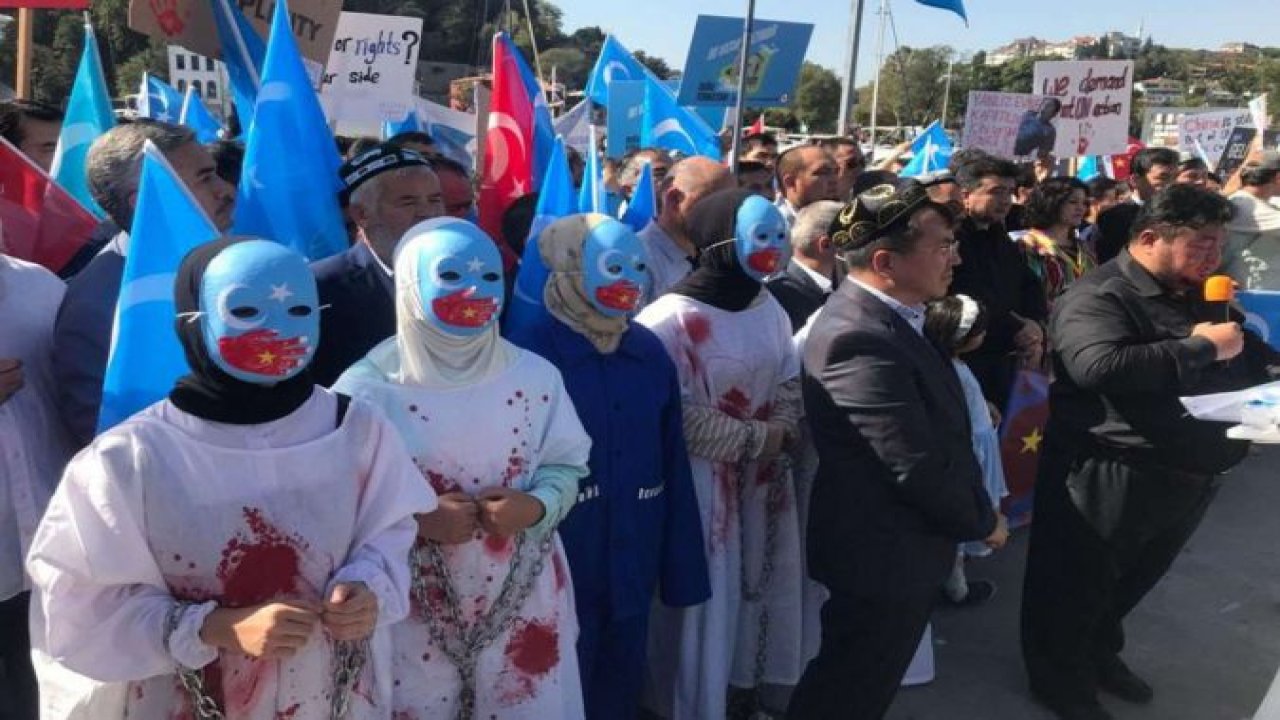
x=1122 y=163
x=507 y=170
x=1021 y=437
x=39 y=221
x=757 y=127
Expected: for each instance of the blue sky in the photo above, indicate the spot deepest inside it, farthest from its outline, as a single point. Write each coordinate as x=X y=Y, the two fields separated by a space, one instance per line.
x=664 y=27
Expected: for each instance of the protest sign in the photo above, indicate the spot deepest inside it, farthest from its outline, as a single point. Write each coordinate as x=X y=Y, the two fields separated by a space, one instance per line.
x=626 y=112
x=371 y=68
x=1237 y=148
x=189 y=23
x=1209 y=132
x=1258 y=108
x=773 y=62
x=994 y=119
x=1095 y=96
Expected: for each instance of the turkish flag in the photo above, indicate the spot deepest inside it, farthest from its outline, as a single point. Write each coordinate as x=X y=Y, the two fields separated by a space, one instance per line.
x=756 y=128
x=507 y=170
x=39 y=221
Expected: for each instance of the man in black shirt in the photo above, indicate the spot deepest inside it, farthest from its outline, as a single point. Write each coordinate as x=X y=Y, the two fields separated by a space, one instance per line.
x=993 y=271
x=1152 y=170
x=1126 y=474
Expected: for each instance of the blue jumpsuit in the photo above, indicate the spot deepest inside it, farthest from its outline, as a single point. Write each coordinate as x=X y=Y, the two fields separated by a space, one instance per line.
x=636 y=526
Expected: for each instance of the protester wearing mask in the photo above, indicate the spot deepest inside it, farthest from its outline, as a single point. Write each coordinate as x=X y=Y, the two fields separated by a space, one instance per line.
x=635 y=528
x=1125 y=473
x=491 y=429
x=82 y=335
x=387 y=191
x=238 y=538
x=731 y=344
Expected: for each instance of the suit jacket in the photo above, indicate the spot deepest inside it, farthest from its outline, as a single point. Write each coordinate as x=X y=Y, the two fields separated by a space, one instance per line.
x=1114 y=227
x=898 y=484
x=798 y=294
x=82 y=339
x=361 y=312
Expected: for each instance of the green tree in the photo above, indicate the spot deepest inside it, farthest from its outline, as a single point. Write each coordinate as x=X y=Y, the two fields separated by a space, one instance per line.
x=571 y=64
x=656 y=65
x=817 y=98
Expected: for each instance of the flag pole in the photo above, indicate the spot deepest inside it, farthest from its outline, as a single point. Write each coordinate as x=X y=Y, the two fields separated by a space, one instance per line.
x=26 y=20
x=846 y=91
x=742 y=85
x=946 y=95
x=875 y=92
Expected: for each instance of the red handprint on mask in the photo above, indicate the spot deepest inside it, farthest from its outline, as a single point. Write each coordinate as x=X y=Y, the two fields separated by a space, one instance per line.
x=263 y=352
x=166 y=12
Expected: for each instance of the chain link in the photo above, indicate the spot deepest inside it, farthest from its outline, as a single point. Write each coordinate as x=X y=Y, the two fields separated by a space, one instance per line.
x=348 y=662
x=777 y=472
x=461 y=642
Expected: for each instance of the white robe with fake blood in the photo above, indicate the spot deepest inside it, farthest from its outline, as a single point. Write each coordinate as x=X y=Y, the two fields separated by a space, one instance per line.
x=732 y=361
x=497 y=431
x=167 y=506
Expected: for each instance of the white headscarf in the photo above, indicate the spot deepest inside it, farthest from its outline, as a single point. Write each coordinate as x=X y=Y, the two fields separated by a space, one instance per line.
x=420 y=353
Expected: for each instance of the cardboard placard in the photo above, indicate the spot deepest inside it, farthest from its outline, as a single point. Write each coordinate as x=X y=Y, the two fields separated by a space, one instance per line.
x=1207 y=134
x=1006 y=124
x=189 y=23
x=1096 y=96
x=371 y=68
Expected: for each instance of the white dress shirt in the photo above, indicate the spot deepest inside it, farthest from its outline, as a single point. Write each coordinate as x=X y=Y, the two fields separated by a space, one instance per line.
x=33 y=443
x=913 y=314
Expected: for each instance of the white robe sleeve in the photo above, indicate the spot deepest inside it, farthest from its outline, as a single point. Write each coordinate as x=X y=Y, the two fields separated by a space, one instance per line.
x=101 y=593
x=394 y=491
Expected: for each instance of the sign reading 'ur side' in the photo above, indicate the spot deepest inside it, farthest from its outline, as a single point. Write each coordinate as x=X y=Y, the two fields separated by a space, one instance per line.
x=1095 y=98
x=370 y=73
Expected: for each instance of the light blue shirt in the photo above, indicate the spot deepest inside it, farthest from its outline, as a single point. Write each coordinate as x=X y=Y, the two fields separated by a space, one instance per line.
x=913 y=314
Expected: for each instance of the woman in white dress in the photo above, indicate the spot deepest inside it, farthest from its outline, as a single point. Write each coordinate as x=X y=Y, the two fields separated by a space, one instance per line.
x=731 y=343
x=493 y=630
x=239 y=545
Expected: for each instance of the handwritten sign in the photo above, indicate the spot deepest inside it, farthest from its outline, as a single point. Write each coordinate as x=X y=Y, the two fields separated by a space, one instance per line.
x=371 y=67
x=994 y=119
x=1208 y=133
x=189 y=23
x=1096 y=96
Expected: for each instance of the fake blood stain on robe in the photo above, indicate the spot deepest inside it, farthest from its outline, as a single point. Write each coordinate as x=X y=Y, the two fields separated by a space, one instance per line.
x=264 y=564
x=532 y=652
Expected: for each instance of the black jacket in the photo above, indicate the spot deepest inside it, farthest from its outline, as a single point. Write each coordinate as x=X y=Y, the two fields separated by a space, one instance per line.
x=898 y=484
x=361 y=310
x=798 y=294
x=1114 y=228
x=1123 y=354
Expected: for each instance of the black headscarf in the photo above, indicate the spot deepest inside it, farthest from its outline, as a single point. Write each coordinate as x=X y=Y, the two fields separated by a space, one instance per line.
x=719 y=280
x=208 y=392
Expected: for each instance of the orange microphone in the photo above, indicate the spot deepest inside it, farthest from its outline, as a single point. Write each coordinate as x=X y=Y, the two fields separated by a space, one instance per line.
x=1220 y=289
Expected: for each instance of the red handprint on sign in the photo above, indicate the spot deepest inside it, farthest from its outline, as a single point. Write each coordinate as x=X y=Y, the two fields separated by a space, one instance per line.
x=166 y=12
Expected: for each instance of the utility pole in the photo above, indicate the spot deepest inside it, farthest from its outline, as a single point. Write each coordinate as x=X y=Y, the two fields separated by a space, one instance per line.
x=851 y=63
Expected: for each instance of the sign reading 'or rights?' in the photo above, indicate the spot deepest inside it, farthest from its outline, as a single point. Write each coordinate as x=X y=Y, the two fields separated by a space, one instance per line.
x=1095 y=97
x=774 y=58
x=369 y=76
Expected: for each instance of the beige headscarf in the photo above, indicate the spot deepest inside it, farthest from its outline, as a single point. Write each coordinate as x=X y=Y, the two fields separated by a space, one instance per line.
x=420 y=353
x=561 y=246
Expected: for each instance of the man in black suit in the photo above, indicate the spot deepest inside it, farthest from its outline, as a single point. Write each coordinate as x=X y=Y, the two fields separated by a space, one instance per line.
x=898 y=485
x=812 y=272
x=387 y=191
x=1152 y=170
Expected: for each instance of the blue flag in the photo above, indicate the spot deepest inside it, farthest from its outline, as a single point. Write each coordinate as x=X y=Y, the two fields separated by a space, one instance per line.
x=412 y=122
x=158 y=100
x=955 y=6
x=931 y=152
x=1088 y=168
x=591 y=196
x=555 y=201
x=643 y=206
x=243 y=53
x=614 y=63
x=1262 y=313
x=196 y=116
x=88 y=116
x=146 y=357
x=289 y=188
x=667 y=125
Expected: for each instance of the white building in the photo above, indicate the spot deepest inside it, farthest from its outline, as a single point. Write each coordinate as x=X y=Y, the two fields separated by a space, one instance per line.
x=205 y=75
x=1161 y=91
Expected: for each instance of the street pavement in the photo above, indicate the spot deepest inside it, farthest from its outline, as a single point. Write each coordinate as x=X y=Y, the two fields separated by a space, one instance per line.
x=1207 y=637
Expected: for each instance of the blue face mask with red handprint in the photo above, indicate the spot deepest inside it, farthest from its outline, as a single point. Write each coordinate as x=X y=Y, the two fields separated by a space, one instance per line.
x=261 y=312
